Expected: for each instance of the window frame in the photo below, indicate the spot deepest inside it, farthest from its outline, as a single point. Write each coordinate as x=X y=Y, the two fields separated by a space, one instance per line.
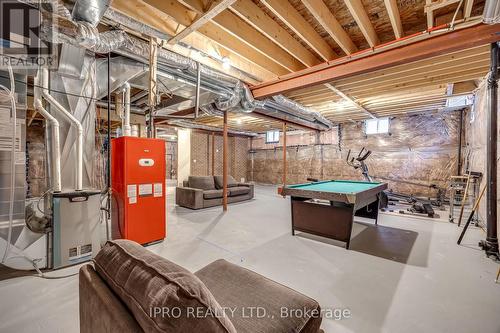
x=378 y=121
x=275 y=134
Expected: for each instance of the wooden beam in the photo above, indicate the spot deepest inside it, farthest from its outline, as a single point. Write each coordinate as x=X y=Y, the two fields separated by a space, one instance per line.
x=468 y=8
x=257 y=18
x=247 y=34
x=216 y=7
x=352 y=101
x=224 y=164
x=393 y=12
x=325 y=17
x=147 y=14
x=359 y=14
x=449 y=42
x=431 y=6
x=185 y=16
x=429 y=16
x=234 y=25
x=292 y=18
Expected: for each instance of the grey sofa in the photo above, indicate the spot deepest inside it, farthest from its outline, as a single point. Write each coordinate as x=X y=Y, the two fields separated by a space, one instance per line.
x=131 y=289
x=206 y=191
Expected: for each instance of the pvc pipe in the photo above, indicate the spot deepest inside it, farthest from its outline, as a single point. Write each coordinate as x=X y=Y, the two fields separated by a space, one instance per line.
x=126 y=126
x=54 y=125
x=74 y=122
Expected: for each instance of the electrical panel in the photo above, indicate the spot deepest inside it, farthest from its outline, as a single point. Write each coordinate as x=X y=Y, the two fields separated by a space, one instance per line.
x=138 y=174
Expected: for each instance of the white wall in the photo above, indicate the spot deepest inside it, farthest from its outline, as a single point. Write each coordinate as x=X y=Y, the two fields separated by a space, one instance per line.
x=183 y=155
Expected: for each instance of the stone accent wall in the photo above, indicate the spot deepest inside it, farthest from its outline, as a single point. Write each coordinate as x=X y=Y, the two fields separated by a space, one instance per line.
x=420 y=149
x=201 y=155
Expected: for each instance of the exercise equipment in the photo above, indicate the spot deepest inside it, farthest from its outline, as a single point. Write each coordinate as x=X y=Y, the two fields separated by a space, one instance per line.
x=418 y=206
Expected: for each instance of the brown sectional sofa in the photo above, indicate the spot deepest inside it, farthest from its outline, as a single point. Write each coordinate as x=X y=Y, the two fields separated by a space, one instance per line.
x=206 y=191
x=131 y=289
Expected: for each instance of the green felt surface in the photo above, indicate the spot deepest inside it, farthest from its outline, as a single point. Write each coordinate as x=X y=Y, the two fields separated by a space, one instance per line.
x=337 y=186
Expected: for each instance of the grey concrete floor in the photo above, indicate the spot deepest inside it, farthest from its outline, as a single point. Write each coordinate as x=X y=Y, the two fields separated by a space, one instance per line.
x=406 y=275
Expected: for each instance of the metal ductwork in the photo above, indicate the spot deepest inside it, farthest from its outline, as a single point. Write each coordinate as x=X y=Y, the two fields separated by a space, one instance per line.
x=491 y=13
x=178 y=75
x=90 y=11
x=193 y=125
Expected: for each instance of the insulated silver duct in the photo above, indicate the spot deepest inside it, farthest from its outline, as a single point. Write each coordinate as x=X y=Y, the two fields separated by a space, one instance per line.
x=90 y=11
x=193 y=125
x=231 y=94
x=491 y=13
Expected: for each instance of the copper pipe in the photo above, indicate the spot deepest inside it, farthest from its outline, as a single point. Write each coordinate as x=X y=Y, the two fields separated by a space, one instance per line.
x=224 y=165
x=284 y=155
x=213 y=154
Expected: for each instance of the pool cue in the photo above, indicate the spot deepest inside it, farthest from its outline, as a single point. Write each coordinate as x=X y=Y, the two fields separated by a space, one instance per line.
x=464 y=199
x=476 y=206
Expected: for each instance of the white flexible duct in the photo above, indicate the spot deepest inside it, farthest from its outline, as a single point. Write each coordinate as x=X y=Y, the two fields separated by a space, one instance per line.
x=126 y=124
x=74 y=122
x=54 y=124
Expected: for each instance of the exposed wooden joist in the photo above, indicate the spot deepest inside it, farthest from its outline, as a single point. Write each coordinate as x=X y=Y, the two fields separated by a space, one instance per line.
x=468 y=8
x=249 y=35
x=257 y=18
x=292 y=18
x=324 y=16
x=449 y=42
x=185 y=16
x=394 y=17
x=147 y=14
x=433 y=5
x=429 y=65
x=429 y=14
x=352 y=101
x=359 y=14
x=244 y=32
x=216 y=7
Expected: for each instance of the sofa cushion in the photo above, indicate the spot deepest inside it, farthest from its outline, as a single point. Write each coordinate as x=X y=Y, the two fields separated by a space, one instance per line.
x=202 y=182
x=149 y=285
x=239 y=190
x=212 y=194
x=219 y=182
x=240 y=289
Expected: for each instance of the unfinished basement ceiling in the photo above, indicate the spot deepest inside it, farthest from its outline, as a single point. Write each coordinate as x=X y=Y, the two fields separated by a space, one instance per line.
x=268 y=38
x=265 y=39
x=415 y=87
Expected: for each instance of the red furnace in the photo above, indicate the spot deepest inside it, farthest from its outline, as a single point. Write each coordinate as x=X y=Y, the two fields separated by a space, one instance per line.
x=138 y=185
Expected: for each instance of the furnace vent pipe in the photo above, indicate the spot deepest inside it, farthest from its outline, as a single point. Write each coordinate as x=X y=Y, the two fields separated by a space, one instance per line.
x=126 y=101
x=74 y=122
x=54 y=125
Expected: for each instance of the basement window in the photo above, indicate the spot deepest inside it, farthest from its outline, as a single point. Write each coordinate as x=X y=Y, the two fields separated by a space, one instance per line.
x=272 y=136
x=377 y=126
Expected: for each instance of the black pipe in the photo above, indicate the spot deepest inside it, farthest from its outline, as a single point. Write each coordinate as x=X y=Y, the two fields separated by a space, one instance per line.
x=108 y=171
x=491 y=243
x=460 y=129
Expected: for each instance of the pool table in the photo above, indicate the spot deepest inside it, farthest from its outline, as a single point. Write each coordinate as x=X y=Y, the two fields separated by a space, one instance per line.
x=327 y=208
